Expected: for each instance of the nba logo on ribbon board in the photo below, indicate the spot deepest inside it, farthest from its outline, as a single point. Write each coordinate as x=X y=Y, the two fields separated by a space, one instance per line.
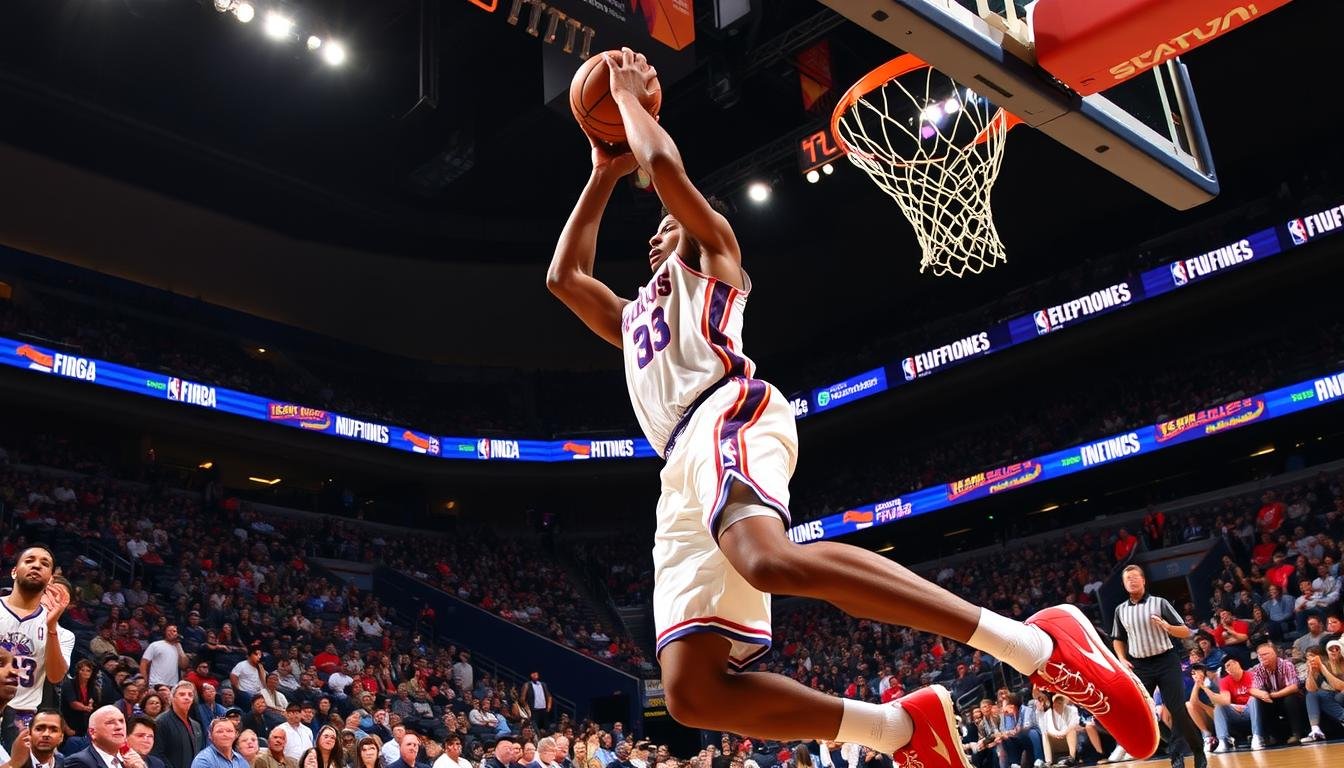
x=1178 y=275
x=1042 y=321
x=1297 y=229
x=908 y=368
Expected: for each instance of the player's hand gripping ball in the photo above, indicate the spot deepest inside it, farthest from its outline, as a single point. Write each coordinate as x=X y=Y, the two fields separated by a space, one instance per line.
x=590 y=96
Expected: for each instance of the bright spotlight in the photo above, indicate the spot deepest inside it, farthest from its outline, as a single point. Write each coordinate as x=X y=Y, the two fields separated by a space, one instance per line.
x=813 y=177
x=278 y=25
x=334 y=53
x=951 y=106
x=244 y=12
x=314 y=42
x=759 y=191
x=828 y=169
x=223 y=6
x=932 y=113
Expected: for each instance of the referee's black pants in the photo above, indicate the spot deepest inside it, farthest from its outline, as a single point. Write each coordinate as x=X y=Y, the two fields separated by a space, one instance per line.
x=1164 y=671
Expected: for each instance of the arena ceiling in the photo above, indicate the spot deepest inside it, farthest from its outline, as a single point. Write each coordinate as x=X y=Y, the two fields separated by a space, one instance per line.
x=177 y=99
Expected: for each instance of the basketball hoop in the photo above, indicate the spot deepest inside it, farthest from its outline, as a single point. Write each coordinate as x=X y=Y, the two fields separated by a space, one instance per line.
x=935 y=147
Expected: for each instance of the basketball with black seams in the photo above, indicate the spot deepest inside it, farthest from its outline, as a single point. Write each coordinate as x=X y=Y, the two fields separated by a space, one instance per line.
x=590 y=100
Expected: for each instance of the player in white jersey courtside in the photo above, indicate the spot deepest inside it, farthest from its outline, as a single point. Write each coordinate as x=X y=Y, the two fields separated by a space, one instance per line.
x=28 y=622
x=729 y=441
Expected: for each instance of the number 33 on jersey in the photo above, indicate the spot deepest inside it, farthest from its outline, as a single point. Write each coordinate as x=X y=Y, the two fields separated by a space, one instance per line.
x=679 y=337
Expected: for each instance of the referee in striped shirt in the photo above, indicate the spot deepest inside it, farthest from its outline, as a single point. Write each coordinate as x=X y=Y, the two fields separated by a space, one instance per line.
x=1143 y=630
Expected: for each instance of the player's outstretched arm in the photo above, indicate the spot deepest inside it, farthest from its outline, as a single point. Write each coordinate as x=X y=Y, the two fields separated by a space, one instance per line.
x=631 y=76
x=570 y=276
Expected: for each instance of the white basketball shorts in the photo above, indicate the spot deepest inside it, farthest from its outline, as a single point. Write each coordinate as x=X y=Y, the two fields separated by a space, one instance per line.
x=743 y=432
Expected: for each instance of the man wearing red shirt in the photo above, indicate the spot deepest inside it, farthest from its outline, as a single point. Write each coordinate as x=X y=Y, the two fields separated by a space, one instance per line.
x=1281 y=573
x=201 y=675
x=1231 y=703
x=1124 y=544
x=327 y=661
x=894 y=690
x=1270 y=516
x=1263 y=552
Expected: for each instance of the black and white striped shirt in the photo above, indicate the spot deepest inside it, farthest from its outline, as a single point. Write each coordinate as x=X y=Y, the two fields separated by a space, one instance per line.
x=1134 y=625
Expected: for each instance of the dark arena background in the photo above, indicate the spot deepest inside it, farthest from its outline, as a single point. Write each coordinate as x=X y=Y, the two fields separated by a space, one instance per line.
x=281 y=370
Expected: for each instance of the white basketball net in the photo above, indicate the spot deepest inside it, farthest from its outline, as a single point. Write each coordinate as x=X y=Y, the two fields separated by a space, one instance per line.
x=936 y=148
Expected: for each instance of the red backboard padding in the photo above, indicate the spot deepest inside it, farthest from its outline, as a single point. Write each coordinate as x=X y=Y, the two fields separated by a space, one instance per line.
x=1091 y=45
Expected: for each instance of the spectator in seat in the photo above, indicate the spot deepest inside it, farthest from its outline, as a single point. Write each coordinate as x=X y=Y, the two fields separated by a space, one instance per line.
x=276 y=702
x=1325 y=688
x=247 y=676
x=219 y=753
x=1279 y=612
x=452 y=754
x=275 y=756
x=103 y=644
x=142 y=739
x=207 y=706
x=1308 y=605
x=502 y=757
x=1016 y=744
x=1280 y=573
x=193 y=634
x=248 y=745
x=369 y=753
x=1125 y=542
x=1334 y=628
x=79 y=697
x=1230 y=635
x=339 y=683
x=1231 y=703
x=200 y=676
x=329 y=751
x=298 y=737
x=1059 y=731
x=1202 y=685
x=1275 y=692
x=178 y=736
x=1313 y=637
x=256 y=718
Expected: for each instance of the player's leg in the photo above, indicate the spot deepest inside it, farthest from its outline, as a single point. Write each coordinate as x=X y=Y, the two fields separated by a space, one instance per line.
x=702 y=692
x=867 y=585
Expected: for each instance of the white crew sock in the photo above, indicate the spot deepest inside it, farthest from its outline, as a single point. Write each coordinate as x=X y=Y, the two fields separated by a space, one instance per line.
x=1024 y=647
x=883 y=727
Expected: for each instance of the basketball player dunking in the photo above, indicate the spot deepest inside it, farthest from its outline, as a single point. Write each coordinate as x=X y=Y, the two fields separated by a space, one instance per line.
x=730 y=445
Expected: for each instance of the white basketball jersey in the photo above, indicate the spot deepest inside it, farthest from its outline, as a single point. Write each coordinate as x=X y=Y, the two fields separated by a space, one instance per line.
x=680 y=336
x=26 y=638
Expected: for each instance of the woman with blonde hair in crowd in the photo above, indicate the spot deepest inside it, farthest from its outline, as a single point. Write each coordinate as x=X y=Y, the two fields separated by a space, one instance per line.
x=248 y=745
x=593 y=743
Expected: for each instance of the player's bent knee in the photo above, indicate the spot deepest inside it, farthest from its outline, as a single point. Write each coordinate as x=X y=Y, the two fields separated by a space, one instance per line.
x=693 y=704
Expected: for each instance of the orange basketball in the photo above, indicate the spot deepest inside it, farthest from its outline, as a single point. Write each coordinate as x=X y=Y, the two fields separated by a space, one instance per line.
x=590 y=100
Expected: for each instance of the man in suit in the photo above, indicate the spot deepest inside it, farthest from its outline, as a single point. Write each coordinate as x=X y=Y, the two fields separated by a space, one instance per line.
x=502 y=756
x=107 y=736
x=536 y=695
x=409 y=751
x=46 y=732
x=180 y=737
x=142 y=738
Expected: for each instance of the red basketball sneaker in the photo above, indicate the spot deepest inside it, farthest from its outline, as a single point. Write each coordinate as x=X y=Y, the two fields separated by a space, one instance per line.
x=1088 y=673
x=936 y=742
